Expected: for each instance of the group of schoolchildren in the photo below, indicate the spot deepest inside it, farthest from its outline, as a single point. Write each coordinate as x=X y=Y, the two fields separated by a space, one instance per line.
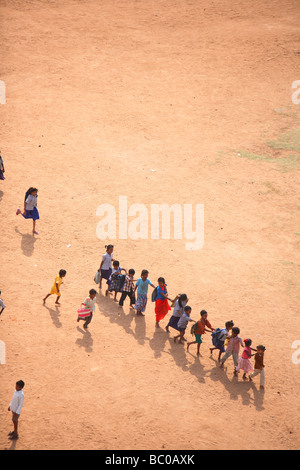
x=227 y=340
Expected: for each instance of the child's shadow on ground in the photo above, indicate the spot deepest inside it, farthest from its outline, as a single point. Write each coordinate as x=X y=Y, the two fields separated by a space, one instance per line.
x=86 y=341
x=27 y=242
x=1 y=195
x=54 y=314
x=131 y=323
x=237 y=387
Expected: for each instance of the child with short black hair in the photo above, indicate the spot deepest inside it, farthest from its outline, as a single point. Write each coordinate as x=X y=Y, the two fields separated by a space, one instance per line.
x=259 y=367
x=128 y=289
x=183 y=323
x=200 y=328
x=56 y=287
x=15 y=407
x=233 y=348
x=115 y=280
x=223 y=335
x=88 y=308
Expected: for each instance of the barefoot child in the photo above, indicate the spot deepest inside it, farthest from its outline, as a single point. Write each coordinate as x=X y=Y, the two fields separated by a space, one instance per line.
x=128 y=289
x=233 y=348
x=259 y=367
x=162 y=306
x=178 y=310
x=88 y=304
x=220 y=339
x=106 y=264
x=244 y=361
x=56 y=286
x=30 y=207
x=15 y=407
x=200 y=329
x=141 y=286
x=183 y=323
x=115 y=280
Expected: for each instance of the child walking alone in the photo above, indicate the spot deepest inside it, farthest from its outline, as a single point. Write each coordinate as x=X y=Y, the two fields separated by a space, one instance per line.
x=56 y=287
x=30 y=207
x=15 y=407
x=89 y=309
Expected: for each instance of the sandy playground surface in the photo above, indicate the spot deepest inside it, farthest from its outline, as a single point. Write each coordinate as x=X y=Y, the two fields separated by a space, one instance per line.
x=98 y=94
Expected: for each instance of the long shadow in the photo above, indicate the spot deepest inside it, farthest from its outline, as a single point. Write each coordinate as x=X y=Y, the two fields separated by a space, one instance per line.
x=235 y=387
x=54 y=314
x=130 y=322
x=86 y=341
x=27 y=242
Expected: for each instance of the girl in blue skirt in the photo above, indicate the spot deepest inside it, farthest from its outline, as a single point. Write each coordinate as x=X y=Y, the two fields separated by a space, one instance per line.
x=30 y=207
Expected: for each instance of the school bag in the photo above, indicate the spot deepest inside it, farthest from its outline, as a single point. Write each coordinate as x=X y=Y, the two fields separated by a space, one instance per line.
x=97 y=277
x=215 y=336
x=154 y=294
x=194 y=328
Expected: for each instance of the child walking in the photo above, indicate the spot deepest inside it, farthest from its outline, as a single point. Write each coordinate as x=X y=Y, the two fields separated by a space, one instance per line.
x=244 y=361
x=30 y=207
x=15 y=407
x=162 y=306
x=128 y=289
x=56 y=286
x=141 y=286
x=222 y=336
x=183 y=323
x=200 y=328
x=115 y=280
x=178 y=310
x=2 y=305
x=259 y=367
x=105 y=269
x=89 y=309
x=233 y=348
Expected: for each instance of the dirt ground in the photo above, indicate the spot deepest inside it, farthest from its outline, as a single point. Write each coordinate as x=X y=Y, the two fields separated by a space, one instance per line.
x=98 y=94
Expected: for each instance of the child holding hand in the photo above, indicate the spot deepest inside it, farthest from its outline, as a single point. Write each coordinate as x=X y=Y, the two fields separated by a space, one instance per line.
x=259 y=367
x=244 y=361
x=200 y=329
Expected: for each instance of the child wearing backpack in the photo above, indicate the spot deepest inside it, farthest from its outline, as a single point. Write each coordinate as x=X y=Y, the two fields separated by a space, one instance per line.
x=116 y=280
x=219 y=337
x=199 y=329
x=162 y=306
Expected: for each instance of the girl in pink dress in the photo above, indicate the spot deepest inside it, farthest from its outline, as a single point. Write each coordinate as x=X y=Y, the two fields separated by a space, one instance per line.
x=244 y=361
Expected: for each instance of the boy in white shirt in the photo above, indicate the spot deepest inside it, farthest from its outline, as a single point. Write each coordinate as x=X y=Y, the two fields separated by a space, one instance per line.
x=15 y=407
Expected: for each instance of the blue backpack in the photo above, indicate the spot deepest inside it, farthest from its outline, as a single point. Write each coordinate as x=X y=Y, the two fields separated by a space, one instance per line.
x=215 y=336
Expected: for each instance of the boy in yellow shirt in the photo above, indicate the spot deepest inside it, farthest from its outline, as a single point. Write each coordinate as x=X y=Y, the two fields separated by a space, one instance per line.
x=56 y=286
